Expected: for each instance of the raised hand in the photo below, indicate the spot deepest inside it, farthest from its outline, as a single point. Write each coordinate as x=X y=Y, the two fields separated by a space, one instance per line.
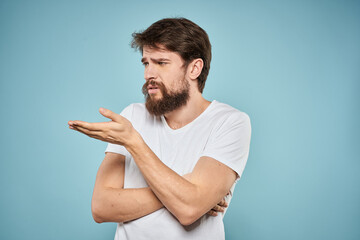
x=118 y=131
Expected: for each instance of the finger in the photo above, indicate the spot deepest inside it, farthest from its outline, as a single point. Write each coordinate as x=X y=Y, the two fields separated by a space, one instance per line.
x=95 y=134
x=217 y=208
x=77 y=123
x=100 y=126
x=90 y=133
x=223 y=203
x=110 y=114
x=212 y=213
x=70 y=123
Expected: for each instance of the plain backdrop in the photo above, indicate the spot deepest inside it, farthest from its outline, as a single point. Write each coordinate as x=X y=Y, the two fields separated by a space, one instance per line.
x=292 y=66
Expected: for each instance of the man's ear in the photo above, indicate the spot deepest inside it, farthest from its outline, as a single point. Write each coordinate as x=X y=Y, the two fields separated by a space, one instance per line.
x=195 y=68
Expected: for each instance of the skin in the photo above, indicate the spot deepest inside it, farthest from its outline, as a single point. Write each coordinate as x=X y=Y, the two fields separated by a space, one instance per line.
x=187 y=197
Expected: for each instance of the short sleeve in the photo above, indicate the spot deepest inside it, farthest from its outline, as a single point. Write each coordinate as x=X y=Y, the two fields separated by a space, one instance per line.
x=230 y=142
x=115 y=148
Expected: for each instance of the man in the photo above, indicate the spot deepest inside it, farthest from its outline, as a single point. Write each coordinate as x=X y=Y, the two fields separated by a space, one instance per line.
x=176 y=157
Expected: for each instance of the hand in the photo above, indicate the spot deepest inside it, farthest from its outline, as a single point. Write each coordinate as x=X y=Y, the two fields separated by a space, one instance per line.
x=118 y=131
x=220 y=207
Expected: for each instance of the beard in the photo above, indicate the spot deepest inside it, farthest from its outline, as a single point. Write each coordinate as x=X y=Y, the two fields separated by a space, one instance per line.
x=170 y=101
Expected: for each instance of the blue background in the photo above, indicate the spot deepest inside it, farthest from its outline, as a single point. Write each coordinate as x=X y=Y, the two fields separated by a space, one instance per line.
x=293 y=66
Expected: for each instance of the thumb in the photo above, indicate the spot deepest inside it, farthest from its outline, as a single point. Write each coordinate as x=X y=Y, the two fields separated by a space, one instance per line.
x=110 y=114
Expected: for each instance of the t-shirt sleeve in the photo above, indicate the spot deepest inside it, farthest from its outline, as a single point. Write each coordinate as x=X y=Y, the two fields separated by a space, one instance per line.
x=230 y=143
x=115 y=148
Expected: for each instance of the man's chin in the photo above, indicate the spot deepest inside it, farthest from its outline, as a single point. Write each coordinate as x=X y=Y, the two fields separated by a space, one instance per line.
x=155 y=97
x=152 y=100
x=161 y=103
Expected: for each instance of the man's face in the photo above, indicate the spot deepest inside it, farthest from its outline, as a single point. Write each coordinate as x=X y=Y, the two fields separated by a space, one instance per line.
x=166 y=88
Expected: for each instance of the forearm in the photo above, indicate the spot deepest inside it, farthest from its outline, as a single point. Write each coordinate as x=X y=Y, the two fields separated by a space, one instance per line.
x=111 y=202
x=181 y=197
x=209 y=182
x=122 y=205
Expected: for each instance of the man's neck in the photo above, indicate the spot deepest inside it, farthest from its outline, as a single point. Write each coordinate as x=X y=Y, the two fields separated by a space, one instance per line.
x=186 y=114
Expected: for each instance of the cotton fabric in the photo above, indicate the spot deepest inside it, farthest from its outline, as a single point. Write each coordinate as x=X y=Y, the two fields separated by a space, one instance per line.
x=220 y=132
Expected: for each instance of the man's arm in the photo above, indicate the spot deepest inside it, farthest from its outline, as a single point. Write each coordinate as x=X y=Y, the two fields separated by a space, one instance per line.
x=112 y=203
x=187 y=200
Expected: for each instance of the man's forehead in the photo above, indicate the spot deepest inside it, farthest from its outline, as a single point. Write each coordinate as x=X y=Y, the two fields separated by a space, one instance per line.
x=158 y=47
x=159 y=51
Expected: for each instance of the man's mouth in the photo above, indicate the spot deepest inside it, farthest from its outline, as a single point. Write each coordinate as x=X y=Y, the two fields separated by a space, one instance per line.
x=152 y=89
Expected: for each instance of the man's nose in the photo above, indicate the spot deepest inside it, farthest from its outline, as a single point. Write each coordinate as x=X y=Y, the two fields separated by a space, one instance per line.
x=150 y=72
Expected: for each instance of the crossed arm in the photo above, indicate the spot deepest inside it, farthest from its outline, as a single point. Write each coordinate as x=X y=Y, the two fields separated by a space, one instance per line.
x=111 y=202
x=186 y=198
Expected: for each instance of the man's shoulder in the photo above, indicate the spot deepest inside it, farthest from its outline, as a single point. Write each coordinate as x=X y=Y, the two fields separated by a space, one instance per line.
x=225 y=111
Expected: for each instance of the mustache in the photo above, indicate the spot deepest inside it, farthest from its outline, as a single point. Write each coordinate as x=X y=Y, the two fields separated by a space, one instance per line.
x=160 y=85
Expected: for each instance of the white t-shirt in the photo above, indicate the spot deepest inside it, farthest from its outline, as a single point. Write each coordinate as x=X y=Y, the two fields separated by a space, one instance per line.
x=220 y=132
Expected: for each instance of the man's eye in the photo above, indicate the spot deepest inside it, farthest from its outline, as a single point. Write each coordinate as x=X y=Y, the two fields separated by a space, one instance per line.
x=145 y=64
x=161 y=63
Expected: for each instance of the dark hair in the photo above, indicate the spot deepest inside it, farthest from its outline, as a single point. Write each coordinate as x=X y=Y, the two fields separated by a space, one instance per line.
x=179 y=35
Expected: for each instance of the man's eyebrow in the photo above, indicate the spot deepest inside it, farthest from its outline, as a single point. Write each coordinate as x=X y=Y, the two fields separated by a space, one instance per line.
x=160 y=59
x=156 y=60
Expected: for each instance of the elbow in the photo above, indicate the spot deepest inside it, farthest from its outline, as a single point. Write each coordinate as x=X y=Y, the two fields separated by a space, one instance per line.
x=188 y=216
x=103 y=211
x=186 y=221
x=96 y=211
x=97 y=218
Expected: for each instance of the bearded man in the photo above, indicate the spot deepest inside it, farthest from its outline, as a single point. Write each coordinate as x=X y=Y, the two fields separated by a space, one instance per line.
x=172 y=163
